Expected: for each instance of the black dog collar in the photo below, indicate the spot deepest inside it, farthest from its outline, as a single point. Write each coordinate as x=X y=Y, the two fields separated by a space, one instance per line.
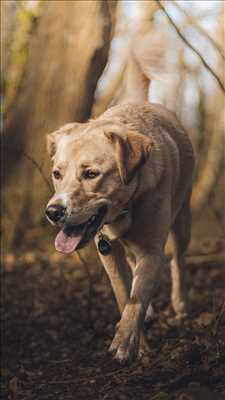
x=104 y=245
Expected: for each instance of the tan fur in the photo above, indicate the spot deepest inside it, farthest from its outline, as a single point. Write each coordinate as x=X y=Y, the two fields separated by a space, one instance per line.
x=146 y=164
x=131 y=152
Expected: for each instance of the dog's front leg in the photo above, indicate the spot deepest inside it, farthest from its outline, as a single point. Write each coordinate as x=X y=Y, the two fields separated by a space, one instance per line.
x=118 y=272
x=120 y=277
x=125 y=344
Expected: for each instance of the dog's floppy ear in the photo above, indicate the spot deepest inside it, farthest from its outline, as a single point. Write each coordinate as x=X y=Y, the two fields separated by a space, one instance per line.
x=54 y=137
x=131 y=150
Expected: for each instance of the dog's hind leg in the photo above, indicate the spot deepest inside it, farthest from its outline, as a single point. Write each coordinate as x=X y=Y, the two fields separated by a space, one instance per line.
x=181 y=233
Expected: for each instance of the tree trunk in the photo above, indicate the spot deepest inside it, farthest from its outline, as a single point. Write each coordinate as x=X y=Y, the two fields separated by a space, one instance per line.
x=67 y=54
x=8 y=16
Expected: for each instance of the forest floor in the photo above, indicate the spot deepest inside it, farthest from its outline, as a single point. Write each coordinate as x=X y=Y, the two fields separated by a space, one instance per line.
x=57 y=327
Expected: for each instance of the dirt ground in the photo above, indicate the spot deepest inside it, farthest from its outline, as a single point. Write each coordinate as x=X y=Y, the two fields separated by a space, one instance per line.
x=57 y=327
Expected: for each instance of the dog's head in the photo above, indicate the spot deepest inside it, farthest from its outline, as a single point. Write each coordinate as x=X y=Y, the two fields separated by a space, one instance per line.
x=94 y=175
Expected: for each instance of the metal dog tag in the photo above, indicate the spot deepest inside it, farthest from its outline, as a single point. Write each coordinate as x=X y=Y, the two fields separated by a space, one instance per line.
x=104 y=245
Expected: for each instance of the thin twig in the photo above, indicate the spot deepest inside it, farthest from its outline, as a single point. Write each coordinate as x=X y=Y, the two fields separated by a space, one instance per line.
x=204 y=62
x=202 y=31
x=39 y=169
x=90 y=288
x=218 y=318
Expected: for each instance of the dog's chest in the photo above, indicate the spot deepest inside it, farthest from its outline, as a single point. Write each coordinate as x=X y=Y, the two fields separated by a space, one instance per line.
x=118 y=228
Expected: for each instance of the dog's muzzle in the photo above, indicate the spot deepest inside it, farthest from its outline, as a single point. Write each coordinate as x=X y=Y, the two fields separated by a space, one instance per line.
x=55 y=212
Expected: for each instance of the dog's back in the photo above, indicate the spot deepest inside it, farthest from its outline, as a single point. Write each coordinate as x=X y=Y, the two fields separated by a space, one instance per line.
x=146 y=62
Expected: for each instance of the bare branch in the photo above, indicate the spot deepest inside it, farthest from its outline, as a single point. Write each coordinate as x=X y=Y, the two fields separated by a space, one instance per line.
x=90 y=288
x=186 y=41
x=39 y=169
x=203 y=32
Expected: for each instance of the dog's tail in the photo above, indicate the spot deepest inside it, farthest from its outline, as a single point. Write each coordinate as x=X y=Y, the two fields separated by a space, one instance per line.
x=147 y=61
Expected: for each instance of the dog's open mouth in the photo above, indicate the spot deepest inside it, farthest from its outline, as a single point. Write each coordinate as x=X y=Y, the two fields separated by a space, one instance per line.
x=73 y=237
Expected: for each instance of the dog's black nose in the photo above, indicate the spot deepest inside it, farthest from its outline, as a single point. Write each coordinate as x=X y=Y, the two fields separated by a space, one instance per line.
x=55 y=212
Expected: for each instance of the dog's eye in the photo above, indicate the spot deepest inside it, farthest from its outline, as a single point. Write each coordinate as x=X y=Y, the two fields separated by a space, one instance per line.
x=90 y=174
x=57 y=174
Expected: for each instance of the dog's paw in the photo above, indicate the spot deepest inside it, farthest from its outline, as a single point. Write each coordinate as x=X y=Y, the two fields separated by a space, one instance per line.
x=178 y=319
x=143 y=347
x=125 y=346
x=182 y=315
x=181 y=308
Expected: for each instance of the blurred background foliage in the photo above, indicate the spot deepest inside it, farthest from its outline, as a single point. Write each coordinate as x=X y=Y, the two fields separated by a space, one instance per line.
x=65 y=61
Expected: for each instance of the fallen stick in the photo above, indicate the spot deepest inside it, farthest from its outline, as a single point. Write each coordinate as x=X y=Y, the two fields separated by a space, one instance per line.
x=206 y=258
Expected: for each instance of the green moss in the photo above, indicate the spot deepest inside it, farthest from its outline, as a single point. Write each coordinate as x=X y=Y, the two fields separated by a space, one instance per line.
x=19 y=47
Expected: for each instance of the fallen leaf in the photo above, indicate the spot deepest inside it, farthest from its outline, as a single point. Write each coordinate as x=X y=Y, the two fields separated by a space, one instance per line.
x=205 y=319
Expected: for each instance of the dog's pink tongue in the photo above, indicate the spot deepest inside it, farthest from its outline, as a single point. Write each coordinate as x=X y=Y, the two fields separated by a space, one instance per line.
x=66 y=244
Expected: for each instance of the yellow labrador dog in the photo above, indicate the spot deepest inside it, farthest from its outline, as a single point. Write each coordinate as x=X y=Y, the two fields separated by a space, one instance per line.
x=125 y=180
